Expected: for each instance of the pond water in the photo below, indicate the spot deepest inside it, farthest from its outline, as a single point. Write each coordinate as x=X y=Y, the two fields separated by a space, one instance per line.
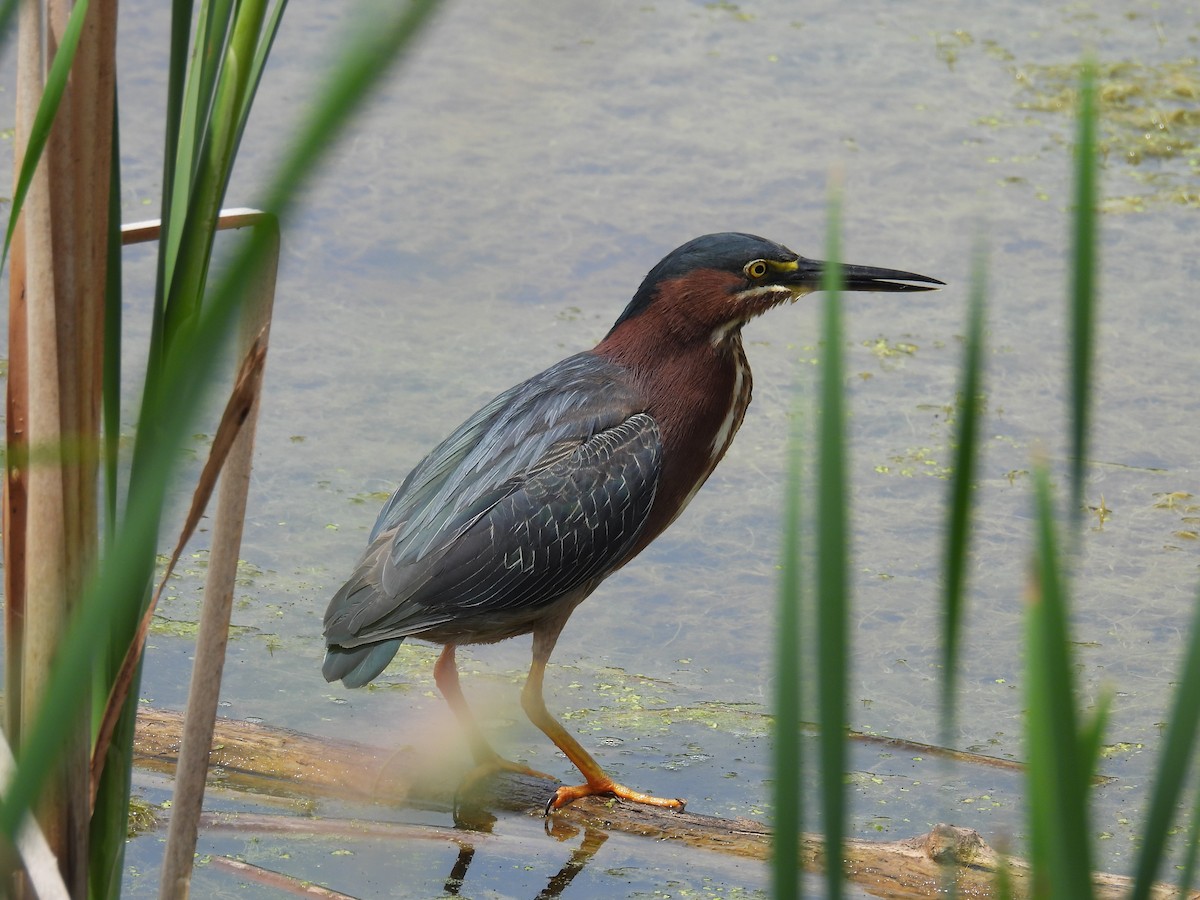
x=493 y=209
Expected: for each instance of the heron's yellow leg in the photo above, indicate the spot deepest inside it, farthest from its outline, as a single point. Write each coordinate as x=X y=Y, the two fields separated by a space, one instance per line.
x=597 y=780
x=487 y=760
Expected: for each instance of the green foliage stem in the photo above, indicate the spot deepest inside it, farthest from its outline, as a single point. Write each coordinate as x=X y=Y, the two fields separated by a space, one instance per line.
x=789 y=809
x=832 y=566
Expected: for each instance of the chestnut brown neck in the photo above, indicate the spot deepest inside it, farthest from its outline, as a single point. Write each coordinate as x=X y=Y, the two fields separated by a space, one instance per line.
x=696 y=388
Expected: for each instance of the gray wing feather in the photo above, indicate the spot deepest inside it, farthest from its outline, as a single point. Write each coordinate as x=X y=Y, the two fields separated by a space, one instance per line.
x=544 y=489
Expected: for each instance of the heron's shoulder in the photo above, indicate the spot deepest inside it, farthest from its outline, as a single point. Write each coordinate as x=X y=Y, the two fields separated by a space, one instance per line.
x=508 y=437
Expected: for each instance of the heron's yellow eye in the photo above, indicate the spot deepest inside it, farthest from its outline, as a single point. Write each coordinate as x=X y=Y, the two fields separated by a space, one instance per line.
x=756 y=269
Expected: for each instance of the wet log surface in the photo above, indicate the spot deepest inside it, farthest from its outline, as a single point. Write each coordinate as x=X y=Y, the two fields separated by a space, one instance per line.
x=275 y=761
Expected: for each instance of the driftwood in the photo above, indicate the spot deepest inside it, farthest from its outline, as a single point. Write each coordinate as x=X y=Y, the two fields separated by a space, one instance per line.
x=276 y=761
x=282 y=883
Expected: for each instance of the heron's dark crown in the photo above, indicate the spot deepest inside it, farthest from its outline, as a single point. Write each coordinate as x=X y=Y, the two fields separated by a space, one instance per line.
x=728 y=251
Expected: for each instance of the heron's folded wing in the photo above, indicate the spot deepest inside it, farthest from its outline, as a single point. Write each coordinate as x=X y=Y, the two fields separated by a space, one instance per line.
x=542 y=490
x=547 y=534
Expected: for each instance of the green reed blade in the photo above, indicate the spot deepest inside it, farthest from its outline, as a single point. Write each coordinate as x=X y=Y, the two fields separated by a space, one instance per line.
x=7 y=9
x=832 y=566
x=789 y=809
x=1083 y=283
x=1187 y=875
x=962 y=491
x=197 y=203
x=190 y=109
x=1057 y=772
x=1175 y=759
x=178 y=111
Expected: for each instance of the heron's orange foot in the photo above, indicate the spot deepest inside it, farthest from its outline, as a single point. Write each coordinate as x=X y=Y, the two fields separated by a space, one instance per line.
x=570 y=793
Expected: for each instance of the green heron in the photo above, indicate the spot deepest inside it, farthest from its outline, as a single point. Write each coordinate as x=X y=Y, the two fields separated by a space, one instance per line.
x=516 y=517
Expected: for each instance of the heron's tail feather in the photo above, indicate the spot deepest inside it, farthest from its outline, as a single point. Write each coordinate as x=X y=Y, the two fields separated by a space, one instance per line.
x=356 y=666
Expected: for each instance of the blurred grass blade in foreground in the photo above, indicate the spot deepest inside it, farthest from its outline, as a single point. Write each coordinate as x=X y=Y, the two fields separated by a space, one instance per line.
x=788 y=756
x=832 y=564
x=1084 y=270
x=962 y=492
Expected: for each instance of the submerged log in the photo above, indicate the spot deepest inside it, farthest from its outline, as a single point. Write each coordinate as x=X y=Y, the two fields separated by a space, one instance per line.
x=278 y=761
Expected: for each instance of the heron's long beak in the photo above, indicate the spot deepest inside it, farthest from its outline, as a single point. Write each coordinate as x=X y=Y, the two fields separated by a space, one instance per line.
x=810 y=273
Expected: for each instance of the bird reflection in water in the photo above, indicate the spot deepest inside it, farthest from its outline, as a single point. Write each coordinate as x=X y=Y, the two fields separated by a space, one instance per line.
x=593 y=840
